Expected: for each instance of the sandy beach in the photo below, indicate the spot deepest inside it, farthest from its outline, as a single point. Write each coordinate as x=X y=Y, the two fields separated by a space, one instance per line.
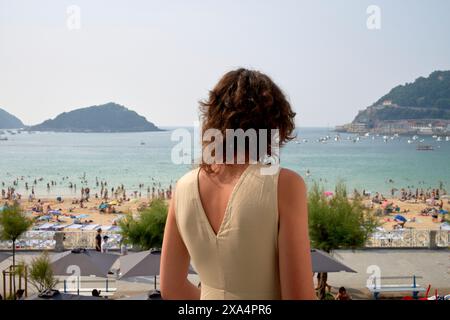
x=92 y=215
x=412 y=212
x=90 y=209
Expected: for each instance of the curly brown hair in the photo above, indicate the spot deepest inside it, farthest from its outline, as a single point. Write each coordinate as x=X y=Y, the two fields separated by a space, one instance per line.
x=247 y=99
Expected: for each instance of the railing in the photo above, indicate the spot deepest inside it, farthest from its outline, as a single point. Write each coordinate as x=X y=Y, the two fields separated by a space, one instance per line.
x=40 y=240
x=86 y=239
x=409 y=238
x=85 y=285
x=47 y=240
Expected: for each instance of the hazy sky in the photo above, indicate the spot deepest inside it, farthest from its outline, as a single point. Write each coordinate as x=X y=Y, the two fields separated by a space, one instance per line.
x=160 y=57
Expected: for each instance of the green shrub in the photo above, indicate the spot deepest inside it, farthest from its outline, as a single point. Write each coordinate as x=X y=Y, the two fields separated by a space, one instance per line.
x=40 y=273
x=147 y=230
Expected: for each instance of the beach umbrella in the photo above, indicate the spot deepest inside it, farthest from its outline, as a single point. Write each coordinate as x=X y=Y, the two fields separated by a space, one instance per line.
x=443 y=211
x=103 y=206
x=4 y=256
x=88 y=262
x=400 y=218
x=142 y=264
x=323 y=262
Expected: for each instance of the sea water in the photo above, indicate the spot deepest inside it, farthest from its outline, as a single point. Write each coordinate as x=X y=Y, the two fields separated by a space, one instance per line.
x=371 y=163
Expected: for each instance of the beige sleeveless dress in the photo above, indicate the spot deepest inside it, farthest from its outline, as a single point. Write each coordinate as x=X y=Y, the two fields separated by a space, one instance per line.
x=241 y=261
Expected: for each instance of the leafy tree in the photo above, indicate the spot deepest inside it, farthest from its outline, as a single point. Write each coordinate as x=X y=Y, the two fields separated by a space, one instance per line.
x=13 y=223
x=41 y=273
x=337 y=223
x=147 y=230
x=433 y=91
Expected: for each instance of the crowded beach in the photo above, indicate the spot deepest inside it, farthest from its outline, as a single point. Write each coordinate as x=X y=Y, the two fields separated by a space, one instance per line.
x=87 y=209
x=102 y=205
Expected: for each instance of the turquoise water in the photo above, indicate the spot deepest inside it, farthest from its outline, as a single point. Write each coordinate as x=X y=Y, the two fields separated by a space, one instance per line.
x=120 y=158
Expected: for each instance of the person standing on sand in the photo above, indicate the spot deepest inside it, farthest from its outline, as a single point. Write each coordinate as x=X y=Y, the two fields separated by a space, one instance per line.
x=243 y=224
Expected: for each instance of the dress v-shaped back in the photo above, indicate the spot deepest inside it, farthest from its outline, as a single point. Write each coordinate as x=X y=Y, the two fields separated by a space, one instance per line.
x=241 y=260
x=229 y=202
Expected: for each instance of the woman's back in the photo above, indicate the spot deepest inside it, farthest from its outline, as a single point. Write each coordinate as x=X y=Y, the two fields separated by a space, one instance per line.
x=243 y=227
x=231 y=231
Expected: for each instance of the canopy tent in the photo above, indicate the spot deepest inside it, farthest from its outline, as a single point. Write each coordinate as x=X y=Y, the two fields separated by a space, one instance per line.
x=89 y=263
x=323 y=262
x=142 y=264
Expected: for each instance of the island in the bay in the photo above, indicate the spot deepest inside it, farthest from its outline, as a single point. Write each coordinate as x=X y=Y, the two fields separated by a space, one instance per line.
x=421 y=107
x=110 y=117
x=8 y=121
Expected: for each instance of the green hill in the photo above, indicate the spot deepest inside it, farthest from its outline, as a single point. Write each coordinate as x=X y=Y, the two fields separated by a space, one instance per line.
x=425 y=98
x=8 y=121
x=110 y=117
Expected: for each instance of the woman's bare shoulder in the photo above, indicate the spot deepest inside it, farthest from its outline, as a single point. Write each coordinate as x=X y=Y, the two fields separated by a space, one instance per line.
x=188 y=179
x=290 y=180
x=291 y=193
